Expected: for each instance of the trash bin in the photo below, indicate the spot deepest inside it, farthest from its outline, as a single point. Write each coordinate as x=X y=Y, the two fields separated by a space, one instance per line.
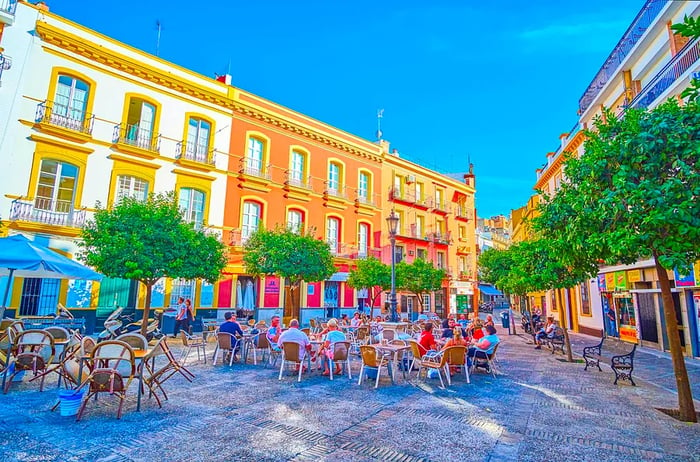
x=167 y=323
x=505 y=319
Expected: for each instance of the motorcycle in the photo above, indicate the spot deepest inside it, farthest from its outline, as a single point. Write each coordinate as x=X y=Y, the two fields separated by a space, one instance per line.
x=536 y=322
x=117 y=324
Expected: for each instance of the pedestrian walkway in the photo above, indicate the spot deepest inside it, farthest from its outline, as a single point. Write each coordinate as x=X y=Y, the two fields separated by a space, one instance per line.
x=539 y=409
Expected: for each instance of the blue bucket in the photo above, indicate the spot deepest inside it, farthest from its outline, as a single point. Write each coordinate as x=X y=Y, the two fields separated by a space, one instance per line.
x=70 y=401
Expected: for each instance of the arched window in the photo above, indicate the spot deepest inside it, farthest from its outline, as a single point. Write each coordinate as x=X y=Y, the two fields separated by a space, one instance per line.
x=297 y=174
x=333 y=234
x=70 y=102
x=131 y=186
x=362 y=240
x=364 y=188
x=254 y=157
x=198 y=135
x=251 y=219
x=192 y=205
x=334 y=178
x=140 y=124
x=295 y=221
x=56 y=186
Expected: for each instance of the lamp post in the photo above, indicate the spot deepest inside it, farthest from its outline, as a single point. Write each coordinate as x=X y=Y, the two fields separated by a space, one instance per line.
x=392 y=222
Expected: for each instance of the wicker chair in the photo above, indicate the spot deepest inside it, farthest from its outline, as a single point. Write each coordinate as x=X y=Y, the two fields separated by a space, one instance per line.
x=437 y=362
x=483 y=358
x=341 y=352
x=225 y=342
x=33 y=350
x=134 y=340
x=189 y=342
x=291 y=354
x=457 y=357
x=373 y=360
x=113 y=370
x=388 y=334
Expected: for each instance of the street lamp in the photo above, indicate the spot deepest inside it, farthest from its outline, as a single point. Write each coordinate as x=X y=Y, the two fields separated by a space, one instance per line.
x=392 y=222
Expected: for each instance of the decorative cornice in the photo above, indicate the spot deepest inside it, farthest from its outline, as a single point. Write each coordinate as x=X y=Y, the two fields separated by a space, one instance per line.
x=555 y=166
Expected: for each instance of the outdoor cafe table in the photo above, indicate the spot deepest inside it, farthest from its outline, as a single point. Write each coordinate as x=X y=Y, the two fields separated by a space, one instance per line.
x=394 y=351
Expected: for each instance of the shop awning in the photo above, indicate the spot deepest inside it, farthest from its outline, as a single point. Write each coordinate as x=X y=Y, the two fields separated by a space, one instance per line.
x=340 y=276
x=490 y=290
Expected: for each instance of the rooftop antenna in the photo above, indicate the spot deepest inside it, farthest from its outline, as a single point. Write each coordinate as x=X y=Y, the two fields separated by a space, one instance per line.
x=159 y=27
x=380 y=114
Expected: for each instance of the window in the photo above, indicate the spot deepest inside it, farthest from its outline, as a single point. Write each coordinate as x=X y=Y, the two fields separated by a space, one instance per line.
x=462 y=232
x=420 y=254
x=399 y=224
x=254 y=158
x=420 y=226
x=296 y=173
x=198 y=135
x=462 y=264
x=398 y=254
x=70 y=102
x=56 y=187
x=363 y=188
x=440 y=228
x=398 y=186
x=192 y=206
x=585 y=299
x=295 y=221
x=140 y=122
x=333 y=234
x=438 y=199
x=334 y=178
x=426 y=302
x=39 y=297
x=251 y=219
x=419 y=193
x=441 y=260
x=362 y=239
x=130 y=186
x=182 y=288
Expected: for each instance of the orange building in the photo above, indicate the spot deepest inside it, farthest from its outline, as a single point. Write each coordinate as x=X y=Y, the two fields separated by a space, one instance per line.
x=286 y=169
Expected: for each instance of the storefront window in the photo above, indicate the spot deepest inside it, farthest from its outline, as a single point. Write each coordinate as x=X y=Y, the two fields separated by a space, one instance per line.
x=626 y=317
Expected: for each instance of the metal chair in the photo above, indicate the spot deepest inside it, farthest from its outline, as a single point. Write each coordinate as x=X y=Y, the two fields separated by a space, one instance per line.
x=438 y=363
x=373 y=360
x=291 y=354
x=134 y=340
x=482 y=358
x=225 y=342
x=189 y=342
x=33 y=350
x=457 y=357
x=341 y=352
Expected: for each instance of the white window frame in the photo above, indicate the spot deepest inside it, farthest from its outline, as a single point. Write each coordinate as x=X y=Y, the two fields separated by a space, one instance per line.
x=198 y=136
x=54 y=203
x=295 y=220
x=362 y=240
x=333 y=225
x=363 y=187
x=251 y=219
x=188 y=206
x=334 y=177
x=296 y=172
x=255 y=156
x=131 y=186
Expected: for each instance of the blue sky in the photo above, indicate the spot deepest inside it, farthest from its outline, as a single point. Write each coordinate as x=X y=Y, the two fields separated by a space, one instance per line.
x=494 y=81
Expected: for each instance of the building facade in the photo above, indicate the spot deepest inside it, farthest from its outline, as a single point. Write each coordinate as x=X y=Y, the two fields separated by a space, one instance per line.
x=649 y=64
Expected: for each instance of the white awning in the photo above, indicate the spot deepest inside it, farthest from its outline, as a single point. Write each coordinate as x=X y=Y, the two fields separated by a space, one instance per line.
x=339 y=277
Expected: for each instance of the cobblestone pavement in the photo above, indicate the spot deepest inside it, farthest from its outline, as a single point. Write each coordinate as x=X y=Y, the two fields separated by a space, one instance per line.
x=538 y=409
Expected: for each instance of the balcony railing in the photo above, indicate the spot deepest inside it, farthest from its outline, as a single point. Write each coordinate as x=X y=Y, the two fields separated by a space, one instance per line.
x=5 y=63
x=134 y=135
x=636 y=30
x=59 y=115
x=334 y=190
x=195 y=152
x=47 y=211
x=671 y=72
x=366 y=199
x=7 y=11
x=439 y=238
x=297 y=180
x=253 y=167
x=461 y=212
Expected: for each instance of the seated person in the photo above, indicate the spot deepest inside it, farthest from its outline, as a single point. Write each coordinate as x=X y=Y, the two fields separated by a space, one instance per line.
x=344 y=321
x=356 y=321
x=326 y=351
x=549 y=330
x=476 y=329
x=293 y=334
x=231 y=326
x=455 y=340
x=447 y=327
x=484 y=345
x=273 y=333
x=422 y=317
x=462 y=321
x=489 y=320
x=427 y=341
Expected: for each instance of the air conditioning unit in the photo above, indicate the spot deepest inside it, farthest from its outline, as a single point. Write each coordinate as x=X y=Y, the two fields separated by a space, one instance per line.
x=410 y=179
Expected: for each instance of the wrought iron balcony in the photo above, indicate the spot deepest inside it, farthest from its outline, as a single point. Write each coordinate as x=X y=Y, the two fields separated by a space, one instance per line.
x=334 y=190
x=635 y=31
x=366 y=199
x=59 y=115
x=7 y=11
x=195 y=152
x=297 y=179
x=253 y=167
x=440 y=238
x=670 y=73
x=47 y=211
x=5 y=64
x=461 y=212
x=134 y=135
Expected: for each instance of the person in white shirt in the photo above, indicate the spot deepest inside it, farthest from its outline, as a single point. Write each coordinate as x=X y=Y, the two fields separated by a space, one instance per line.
x=293 y=334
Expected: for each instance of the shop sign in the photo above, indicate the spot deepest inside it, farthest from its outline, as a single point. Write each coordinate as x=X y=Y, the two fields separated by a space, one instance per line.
x=271 y=286
x=463 y=304
x=620 y=280
x=601 y=283
x=634 y=276
x=610 y=281
x=628 y=334
x=687 y=280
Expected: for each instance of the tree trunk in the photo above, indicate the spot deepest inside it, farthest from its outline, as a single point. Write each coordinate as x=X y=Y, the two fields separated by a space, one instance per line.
x=562 y=322
x=529 y=312
x=146 y=307
x=685 y=395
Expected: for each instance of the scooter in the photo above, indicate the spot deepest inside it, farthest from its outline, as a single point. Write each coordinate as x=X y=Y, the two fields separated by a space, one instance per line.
x=536 y=322
x=115 y=326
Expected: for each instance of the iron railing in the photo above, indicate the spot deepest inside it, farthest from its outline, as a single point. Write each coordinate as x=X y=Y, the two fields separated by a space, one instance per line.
x=8 y=6
x=334 y=190
x=134 y=135
x=47 y=211
x=670 y=73
x=253 y=167
x=201 y=153
x=635 y=31
x=60 y=115
x=5 y=63
x=296 y=179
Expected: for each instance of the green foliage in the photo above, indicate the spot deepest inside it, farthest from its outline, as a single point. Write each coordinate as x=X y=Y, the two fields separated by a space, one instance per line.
x=371 y=274
x=419 y=277
x=633 y=193
x=284 y=253
x=690 y=27
x=148 y=240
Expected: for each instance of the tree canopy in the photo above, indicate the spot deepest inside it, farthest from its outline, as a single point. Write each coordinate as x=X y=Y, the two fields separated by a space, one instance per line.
x=281 y=252
x=633 y=194
x=148 y=240
x=373 y=275
x=419 y=277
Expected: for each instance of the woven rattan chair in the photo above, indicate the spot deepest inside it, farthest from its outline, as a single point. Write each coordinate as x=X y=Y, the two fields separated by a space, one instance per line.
x=134 y=340
x=33 y=350
x=373 y=360
x=341 y=353
x=291 y=354
x=457 y=357
x=482 y=358
x=437 y=362
x=227 y=343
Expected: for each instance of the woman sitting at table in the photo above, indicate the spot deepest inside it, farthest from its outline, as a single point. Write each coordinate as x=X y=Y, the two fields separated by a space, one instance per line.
x=486 y=345
x=455 y=340
x=325 y=352
x=344 y=321
x=489 y=321
x=476 y=329
x=427 y=341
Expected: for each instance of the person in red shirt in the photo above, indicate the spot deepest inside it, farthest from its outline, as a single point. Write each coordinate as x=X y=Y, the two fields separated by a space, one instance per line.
x=477 y=331
x=427 y=341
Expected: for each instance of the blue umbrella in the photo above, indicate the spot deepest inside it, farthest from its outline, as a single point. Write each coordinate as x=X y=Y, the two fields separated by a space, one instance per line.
x=21 y=257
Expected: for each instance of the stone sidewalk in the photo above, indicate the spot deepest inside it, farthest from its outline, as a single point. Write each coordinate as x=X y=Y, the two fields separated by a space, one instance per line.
x=538 y=409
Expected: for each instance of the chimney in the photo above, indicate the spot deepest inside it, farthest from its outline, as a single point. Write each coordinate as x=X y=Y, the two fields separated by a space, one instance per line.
x=225 y=79
x=384 y=144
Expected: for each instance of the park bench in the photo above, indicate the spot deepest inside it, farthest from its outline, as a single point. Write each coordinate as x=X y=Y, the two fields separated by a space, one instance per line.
x=556 y=341
x=621 y=364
